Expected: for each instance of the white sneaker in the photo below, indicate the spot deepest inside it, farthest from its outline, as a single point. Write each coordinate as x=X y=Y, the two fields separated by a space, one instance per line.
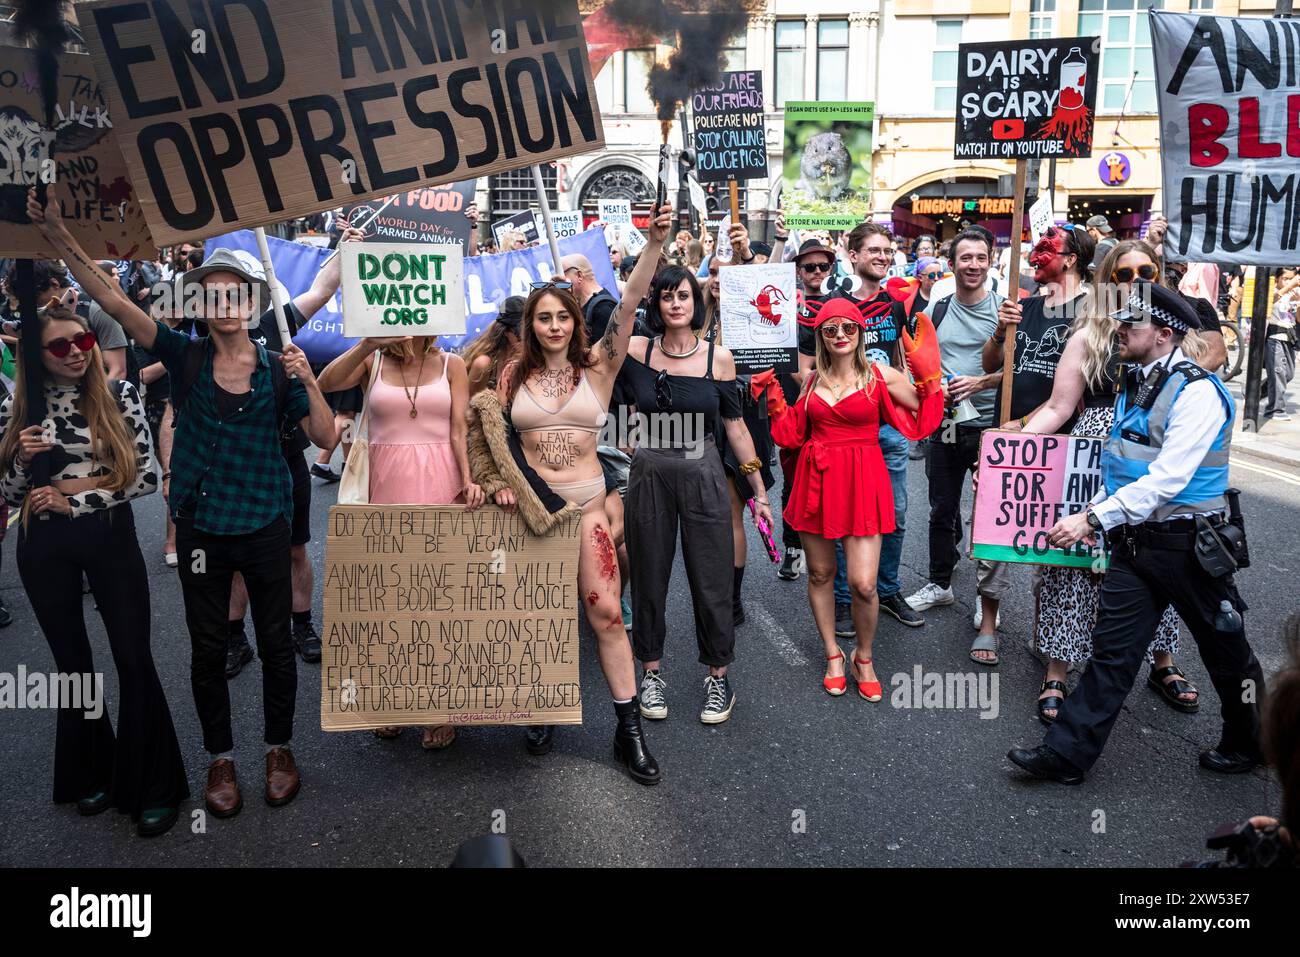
x=652 y=702
x=931 y=595
x=979 y=615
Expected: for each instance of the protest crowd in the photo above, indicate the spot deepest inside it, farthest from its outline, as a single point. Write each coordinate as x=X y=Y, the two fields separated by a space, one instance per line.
x=171 y=376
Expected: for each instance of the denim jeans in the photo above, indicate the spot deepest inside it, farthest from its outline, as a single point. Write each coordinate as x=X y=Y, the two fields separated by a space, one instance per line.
x=895 y=448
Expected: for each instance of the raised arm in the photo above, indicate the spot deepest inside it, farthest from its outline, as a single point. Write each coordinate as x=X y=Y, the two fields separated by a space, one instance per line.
x=610 y=351
x=326 y=282
x=98 y=287
x=1067 y=390
x=353 y=367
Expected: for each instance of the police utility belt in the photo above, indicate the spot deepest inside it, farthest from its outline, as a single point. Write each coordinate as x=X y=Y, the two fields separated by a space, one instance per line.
x=1219 y=542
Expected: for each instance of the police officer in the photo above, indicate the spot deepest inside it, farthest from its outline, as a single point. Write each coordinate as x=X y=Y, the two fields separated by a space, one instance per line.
x=1165 y=463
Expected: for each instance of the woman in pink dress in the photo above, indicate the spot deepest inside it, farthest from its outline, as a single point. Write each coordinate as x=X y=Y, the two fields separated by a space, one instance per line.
x=415 y=408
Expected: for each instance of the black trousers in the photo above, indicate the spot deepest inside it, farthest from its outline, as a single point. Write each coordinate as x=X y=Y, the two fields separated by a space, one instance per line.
x=946 y=465
x=789 y=459
x=141 y=767
x=207 y=564
x=666 y=488
x=1133 y=596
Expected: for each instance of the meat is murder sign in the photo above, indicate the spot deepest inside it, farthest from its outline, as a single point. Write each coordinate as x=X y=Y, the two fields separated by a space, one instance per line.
x=248 y=112
x=438 y=615
x=1229 y=91
x=1026 y=99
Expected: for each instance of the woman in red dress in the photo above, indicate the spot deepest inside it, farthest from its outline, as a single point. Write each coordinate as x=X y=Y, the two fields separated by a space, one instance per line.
x=841 y=486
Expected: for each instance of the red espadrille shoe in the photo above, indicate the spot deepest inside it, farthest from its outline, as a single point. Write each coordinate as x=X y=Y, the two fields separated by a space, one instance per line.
x=835 y=686
x=869 y=690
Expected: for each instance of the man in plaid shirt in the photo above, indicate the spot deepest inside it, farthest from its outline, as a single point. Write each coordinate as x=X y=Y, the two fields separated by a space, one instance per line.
x=231 y=493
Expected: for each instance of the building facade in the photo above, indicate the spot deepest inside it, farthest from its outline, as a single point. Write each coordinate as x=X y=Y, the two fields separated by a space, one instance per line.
x=902 y=55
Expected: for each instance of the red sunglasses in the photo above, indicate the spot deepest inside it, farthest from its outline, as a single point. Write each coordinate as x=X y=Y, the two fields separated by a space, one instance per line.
x=59 y=348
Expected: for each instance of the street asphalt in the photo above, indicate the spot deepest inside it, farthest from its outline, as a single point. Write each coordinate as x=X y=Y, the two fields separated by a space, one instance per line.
x=794 y=778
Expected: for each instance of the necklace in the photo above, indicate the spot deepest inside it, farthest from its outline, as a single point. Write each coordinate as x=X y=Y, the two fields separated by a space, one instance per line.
x=418 y=376
x=837 y=388
x=680 y=355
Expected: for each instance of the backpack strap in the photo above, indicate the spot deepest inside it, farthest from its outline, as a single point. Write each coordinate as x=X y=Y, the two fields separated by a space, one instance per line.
x=940 y=310
x=191 y=369
x=280 y=384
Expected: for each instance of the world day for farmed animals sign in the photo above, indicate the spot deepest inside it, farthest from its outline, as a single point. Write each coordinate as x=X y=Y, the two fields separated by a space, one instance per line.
x=1230 y=137
x=1025 y=99
x=401 y=289
x=246 y=112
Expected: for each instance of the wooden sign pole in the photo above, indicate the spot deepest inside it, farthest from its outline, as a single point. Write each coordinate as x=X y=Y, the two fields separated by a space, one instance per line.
x=1013 y=287
x=734 y=188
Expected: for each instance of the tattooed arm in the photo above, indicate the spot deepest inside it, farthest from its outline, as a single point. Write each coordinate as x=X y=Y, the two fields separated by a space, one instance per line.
x=609 y=352
x=98 y=286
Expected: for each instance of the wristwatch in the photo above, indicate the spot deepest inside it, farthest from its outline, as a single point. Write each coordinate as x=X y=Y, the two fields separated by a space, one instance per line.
x=1093 y=521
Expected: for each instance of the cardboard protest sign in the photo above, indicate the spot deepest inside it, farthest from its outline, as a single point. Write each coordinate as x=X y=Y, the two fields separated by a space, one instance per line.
x=730 y=141
x=1041 y=216
x=1028 y=483
x=615 y=212
x=402 y=289
x=760 y=315
x=431 y=214
x=240 y=114
x=567 y=223
x=88 y=176
x=437 y=615
x=827 y=171
x=1022 y=99
x=1230 y=137
x=525 y=222
x=634 y=240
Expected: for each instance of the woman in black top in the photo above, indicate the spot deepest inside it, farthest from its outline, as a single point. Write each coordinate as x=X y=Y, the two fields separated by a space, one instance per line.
x=685 y=394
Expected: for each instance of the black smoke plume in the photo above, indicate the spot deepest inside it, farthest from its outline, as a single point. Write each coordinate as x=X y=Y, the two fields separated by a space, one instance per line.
x=702 y=34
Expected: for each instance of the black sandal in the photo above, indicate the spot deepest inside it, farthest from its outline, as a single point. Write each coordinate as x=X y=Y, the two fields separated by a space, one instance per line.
x=1051 y=702
x=1170 y=690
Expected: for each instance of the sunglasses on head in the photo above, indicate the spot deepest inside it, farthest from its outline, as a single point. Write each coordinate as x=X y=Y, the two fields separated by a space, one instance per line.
x=1149 y=273
x=551 y=285
x=815 y=267
x=832 y=330
x=60 y=347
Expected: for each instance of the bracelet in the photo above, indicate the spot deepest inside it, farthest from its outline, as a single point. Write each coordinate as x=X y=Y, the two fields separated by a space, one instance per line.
x=779 y=238
x=752 y=466
x=1023 y=420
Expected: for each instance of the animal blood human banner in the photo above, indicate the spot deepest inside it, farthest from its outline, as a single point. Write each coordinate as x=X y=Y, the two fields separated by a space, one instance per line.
x=1028 y=483
x=438 y=615
x=1229 y=92
x=1023 y=99
x=826 y=172
x=247 y=112
x=730 y=140
x=760 y=316
x=88 y=176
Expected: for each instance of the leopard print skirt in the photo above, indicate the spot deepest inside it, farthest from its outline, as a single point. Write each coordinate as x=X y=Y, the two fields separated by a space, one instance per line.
x=1067 y=600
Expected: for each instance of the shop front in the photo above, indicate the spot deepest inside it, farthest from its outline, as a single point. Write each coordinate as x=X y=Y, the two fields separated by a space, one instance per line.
x=943 y=208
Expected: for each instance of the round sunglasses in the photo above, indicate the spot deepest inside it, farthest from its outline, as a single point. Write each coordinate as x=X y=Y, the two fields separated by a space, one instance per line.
x=60 y=347
x=832 y=330
x=1148 y=273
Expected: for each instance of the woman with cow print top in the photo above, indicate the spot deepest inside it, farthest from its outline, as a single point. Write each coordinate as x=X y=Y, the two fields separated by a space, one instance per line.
x=97 y=438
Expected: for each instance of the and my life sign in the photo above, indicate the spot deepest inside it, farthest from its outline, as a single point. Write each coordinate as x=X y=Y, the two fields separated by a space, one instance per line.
x=439 y=615
x=1028 y=483
x=247 y=112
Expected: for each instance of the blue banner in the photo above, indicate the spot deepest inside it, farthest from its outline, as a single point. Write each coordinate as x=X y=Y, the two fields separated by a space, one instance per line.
x=489 y=280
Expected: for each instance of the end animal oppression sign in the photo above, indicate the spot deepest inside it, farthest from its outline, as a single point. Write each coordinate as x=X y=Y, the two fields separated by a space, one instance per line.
x=236 y=113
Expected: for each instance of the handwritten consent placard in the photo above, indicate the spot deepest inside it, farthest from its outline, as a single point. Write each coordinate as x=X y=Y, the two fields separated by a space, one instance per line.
x=438 y=615
x=244 y=113
x=1028 y=483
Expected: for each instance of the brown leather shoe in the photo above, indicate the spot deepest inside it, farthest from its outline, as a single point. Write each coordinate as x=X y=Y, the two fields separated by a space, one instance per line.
x=222 y=793
x=282 y=780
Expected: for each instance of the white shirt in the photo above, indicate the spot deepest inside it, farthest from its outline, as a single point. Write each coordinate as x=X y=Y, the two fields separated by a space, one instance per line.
x=1194 y=422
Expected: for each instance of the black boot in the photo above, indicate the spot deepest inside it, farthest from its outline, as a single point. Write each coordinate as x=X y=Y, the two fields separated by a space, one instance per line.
x=630 y=746
x=737 y=609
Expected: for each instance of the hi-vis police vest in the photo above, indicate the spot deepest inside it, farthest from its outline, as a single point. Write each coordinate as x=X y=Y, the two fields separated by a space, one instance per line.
x=1137 y=435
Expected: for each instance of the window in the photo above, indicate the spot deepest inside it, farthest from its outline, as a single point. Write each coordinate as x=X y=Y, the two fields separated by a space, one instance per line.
x=513 y=191
x=833 y=60
x=789 y=61
x=636 y=74
x=733 y=54
x=943 y=65
x=1202 y=6
x=1125 y=33
x=1042 y=19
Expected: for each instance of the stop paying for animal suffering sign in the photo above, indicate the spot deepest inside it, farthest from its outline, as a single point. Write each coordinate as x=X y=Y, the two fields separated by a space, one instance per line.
x=760 y=316
x=1230 y=143
x=87 y=175
x=247 y=112
x=403 y=289
x=1022 y=99
x=1028 y=483
x=439 y=615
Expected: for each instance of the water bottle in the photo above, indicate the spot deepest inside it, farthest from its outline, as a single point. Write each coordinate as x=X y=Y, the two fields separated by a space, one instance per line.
x=1227 y=621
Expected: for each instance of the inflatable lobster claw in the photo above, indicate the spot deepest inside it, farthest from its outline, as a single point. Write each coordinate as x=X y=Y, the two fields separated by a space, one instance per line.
x=921 y=349
x=903 y=290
